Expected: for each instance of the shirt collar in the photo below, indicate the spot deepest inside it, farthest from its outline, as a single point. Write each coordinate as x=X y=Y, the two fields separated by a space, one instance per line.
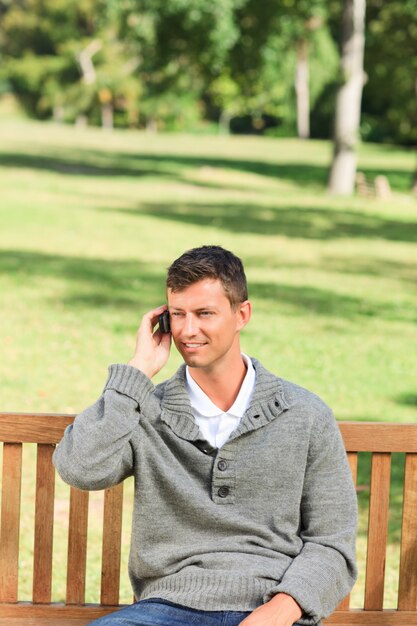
x=205 y=407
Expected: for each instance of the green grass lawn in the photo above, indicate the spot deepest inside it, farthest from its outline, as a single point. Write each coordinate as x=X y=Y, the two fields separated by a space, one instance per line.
x=90 y=220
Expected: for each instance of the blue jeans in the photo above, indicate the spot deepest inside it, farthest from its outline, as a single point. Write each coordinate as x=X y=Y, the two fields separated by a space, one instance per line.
x=158 y=612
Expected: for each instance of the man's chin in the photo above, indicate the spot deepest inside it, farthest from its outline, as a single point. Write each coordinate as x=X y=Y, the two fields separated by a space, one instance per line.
x=192 y=361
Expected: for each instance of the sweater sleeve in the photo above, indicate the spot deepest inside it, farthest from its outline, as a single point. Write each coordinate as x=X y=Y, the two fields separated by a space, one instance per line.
x=324 y=571
x=95 y=452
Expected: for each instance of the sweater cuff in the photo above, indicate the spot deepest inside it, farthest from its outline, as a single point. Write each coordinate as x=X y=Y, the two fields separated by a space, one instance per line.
x=129 y=381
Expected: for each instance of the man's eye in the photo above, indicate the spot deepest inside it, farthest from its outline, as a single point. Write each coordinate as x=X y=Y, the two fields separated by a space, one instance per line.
x=206 y=313
x=176 y=314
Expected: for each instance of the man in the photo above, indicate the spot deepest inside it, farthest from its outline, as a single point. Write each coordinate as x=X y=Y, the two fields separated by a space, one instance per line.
x=245 y=512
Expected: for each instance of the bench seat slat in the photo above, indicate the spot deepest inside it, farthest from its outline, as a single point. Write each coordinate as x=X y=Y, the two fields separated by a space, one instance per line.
x=378 y=530
x=55 y=610
x=407 y=591
x=359 y=617
x=111 y=552
x=44 y=621
x=77 y=546
x=44 y=523
x=60 y=613
x=10 y=521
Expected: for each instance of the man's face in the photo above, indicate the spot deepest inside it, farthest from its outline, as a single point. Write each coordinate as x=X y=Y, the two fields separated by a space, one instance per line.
x=204 y=327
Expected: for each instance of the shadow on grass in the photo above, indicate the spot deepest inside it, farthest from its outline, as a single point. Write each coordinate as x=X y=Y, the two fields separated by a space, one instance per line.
x=99 y=163
x=293 y=221
x=355 y=265
x=408 y=399
x=327 y=303
x=95 y=163
x=75 y=167
x=91 y=283
x=98 y=283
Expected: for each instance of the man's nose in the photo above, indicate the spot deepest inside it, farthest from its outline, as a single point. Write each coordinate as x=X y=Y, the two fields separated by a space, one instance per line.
x=190 y=325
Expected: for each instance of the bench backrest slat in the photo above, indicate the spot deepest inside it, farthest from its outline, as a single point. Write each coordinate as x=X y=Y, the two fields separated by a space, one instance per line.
x=379 y=437
x=33 y=427
x=377 y=530
x=77 y=546
x=10 y=521
x=353 y=462
x=407 y=591
x=111 y=548
x=44 y=524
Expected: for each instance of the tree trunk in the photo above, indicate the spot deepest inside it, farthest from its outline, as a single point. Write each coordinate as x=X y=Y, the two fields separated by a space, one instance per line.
x=85 y=59
x=302 y=90
x=151 y=125
x=224 y=123
x=348 y=101
x=107 y=116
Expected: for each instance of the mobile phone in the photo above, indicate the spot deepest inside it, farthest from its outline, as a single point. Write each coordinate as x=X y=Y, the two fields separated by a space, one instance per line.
x=164 y=325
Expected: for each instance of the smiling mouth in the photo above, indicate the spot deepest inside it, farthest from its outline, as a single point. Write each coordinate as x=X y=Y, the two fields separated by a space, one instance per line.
x=193 y=345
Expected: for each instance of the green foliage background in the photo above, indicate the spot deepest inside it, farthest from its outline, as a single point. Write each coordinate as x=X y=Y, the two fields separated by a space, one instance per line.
x=179 y=65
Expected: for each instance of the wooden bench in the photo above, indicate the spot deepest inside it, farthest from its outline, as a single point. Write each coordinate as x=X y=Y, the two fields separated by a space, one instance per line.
x=380 y=439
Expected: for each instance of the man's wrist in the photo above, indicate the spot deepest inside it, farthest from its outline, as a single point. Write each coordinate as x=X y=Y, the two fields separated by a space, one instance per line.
x=291 y=606
x=142 y=367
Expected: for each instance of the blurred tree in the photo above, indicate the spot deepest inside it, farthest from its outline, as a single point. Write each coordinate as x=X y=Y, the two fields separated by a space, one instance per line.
x=348 y=102
x=305 y=18
x=167 y=63
x=181 y=43
x=170 y=63
x=62 y=57
x=268 y=68
x=390 y=93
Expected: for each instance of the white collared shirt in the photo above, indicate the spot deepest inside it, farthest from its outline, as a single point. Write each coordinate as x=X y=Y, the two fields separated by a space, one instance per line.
x=216 y=425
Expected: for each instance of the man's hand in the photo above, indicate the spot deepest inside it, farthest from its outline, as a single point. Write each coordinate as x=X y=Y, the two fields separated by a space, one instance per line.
x=282 y=610
x=152 y=347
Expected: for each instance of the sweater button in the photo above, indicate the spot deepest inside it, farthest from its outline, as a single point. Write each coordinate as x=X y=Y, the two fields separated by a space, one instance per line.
x=222 y=465
x=223 y=492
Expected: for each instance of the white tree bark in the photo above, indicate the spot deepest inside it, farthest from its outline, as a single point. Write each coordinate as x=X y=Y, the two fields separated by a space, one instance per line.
x=85 y=59
x=348 y=102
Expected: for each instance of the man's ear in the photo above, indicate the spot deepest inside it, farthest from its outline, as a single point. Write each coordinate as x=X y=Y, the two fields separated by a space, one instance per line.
x=244 y=312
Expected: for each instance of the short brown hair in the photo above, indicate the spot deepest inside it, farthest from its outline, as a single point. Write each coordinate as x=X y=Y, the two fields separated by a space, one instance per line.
x=209 y=262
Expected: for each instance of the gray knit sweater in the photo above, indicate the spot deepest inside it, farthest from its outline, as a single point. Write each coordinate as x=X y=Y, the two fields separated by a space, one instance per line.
x=273 y=510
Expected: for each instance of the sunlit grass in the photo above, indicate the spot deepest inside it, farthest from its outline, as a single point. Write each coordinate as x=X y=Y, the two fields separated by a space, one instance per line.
x=90 y=220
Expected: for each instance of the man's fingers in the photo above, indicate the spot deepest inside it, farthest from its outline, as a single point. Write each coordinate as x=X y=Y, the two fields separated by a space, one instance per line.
x=151 y=317
x=166 y=339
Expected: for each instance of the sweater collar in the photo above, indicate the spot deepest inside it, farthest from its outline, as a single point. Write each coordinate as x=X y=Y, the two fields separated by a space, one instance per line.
x=267 y=403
